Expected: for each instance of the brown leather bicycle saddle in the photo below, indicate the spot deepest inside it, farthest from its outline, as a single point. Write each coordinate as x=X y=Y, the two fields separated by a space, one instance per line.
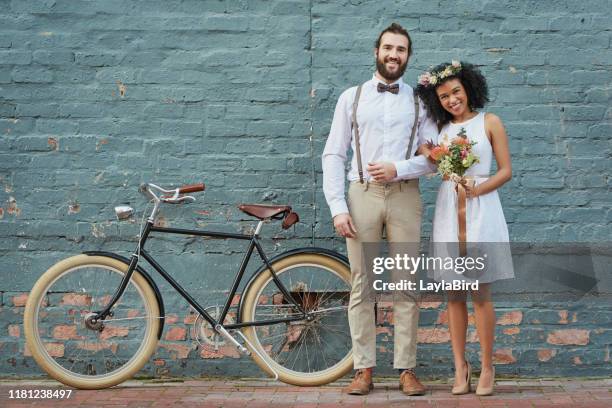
x=263 y=211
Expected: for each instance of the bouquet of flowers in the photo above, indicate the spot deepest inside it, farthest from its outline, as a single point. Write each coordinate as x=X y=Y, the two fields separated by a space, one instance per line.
x=453 y=157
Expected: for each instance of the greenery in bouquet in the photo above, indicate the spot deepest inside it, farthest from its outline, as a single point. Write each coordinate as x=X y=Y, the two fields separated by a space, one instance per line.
x=455 y=156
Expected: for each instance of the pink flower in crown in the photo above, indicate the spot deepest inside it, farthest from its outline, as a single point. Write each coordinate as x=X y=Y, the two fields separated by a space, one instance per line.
x=425 y=79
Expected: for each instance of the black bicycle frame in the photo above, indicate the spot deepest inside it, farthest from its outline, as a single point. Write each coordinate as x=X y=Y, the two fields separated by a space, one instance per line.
x=253 y=244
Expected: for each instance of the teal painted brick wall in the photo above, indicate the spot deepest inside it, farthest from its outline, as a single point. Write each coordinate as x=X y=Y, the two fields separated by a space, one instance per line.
x=96 y=97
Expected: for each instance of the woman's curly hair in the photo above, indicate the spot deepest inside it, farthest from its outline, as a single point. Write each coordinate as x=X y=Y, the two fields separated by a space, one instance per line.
x=472 y=80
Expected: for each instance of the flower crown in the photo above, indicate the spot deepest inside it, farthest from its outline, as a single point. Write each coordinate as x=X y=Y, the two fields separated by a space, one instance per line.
x=429 y=78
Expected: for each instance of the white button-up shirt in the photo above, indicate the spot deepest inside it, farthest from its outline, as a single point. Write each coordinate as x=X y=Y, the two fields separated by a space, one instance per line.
x=385 y=123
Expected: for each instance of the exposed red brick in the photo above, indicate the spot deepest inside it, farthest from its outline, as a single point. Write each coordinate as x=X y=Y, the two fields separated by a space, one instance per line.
x=101 y=143
x=578 y=337
x=65 y=332
x=20 y=300
x=443 y=317
x=179 y=351
x=54 y=350
x=433 y=335
x=546 y=354
x=235 y=300
x=294 y=332
x=171 y=319
x=114 y=331
x=503 y=356
x=511 y=331
x=210 y=353
x=12 y=208
x=97 y=346
x=52 y=142
x=430 y=305
x=14 y=330
x=577 y=360
x=176 y=333
x=190 y=318
x=76 y=299
x=230 y=351
x=563 y=316
x=159 y=362
x=514 y=317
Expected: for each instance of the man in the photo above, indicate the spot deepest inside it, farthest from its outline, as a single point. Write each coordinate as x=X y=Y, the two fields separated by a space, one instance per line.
x=383 y=195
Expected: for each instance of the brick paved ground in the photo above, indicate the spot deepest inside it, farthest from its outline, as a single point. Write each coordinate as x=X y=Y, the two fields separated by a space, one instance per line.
x=256 y=393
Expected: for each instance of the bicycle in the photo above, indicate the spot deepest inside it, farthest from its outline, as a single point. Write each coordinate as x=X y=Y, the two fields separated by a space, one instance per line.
x=93 y=320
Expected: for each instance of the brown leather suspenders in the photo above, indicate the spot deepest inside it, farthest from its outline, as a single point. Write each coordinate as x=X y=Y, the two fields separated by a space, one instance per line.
x=356 y=129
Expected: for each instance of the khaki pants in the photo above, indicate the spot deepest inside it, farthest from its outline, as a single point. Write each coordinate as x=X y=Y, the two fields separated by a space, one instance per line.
x=397 y=208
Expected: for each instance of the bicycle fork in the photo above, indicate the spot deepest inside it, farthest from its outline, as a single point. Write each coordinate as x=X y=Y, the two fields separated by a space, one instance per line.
x=126 y=278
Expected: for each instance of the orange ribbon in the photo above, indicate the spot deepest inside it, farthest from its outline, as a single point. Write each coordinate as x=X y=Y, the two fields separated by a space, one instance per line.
x=460 y=183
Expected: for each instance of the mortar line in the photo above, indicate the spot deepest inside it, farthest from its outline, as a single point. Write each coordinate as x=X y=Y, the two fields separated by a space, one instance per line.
x=311 y=105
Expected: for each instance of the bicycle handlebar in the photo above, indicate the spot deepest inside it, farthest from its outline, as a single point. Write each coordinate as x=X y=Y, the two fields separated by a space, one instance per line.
x=173 y=196
x=192 y=188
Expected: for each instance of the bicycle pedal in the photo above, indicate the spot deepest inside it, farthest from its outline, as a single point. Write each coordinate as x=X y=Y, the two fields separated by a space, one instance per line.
x=241 y=349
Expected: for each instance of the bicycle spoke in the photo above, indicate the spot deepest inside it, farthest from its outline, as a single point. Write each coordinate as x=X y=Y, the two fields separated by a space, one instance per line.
x=87 y=352
x=307 y=346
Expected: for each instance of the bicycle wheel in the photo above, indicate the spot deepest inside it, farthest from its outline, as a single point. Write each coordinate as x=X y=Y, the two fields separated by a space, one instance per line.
x=73 y=349
x=304 y=352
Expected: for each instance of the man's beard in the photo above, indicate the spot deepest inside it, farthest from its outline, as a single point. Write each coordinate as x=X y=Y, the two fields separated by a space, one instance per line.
x=382 y=70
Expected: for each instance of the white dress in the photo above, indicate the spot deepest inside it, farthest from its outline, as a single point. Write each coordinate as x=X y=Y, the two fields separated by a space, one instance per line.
x=486 y=229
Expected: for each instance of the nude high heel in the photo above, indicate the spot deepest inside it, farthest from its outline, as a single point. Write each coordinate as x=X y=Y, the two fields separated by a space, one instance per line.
x=466 y=388
x=485 y=391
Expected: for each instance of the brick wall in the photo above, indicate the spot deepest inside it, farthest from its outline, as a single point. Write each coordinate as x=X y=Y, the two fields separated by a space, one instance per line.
x=96 y=97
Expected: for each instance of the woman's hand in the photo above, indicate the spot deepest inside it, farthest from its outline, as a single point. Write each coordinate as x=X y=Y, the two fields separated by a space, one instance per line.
x=424 y=150
x=471 y=190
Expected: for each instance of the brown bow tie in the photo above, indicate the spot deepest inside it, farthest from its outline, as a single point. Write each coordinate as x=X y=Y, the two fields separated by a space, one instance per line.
x=394 y=89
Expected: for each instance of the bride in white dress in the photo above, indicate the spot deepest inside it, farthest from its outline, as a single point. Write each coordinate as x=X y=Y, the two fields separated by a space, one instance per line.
x=451 y=93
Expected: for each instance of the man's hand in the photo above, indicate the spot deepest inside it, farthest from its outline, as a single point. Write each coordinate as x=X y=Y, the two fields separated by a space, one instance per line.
x=382 y=172
x=343 y=223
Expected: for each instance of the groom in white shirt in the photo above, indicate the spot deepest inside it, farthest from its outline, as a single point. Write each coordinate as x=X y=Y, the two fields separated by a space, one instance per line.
x=382 y=196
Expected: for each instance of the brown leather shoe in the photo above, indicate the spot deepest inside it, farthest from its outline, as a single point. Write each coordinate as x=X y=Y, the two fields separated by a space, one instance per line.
x=362 y=383
x=410 y=384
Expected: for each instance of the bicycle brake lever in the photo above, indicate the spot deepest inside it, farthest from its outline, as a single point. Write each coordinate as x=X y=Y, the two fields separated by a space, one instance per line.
x=179 y=200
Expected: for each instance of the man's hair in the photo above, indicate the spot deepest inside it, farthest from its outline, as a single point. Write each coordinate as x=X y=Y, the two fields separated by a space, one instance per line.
x=395 y=29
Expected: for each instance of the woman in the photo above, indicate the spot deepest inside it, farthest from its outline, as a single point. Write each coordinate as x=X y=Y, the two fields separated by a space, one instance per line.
x=452 y=93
